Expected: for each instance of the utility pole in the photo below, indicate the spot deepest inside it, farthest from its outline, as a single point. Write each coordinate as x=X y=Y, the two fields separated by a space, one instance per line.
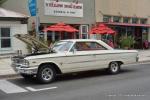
x=33 y=8
x=37 y=21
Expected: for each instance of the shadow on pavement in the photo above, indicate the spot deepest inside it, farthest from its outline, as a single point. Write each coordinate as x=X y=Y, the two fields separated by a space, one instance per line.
x=70 y=77
x=89 y=74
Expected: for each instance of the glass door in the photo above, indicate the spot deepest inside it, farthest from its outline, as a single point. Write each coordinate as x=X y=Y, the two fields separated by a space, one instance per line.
x=84 y=32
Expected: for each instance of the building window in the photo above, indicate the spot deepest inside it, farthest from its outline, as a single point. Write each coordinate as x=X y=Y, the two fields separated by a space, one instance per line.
x=135 y=20
x=84 y=31
x=126 y=20
x=143 y=21
x=106 y=18
x=5 y=38
x=116 y=19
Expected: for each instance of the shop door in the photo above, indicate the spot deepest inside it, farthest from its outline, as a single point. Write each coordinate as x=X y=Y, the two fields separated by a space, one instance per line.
x=138 y=38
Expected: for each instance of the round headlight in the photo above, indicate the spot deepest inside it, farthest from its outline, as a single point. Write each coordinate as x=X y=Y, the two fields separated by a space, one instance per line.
x=26 y=62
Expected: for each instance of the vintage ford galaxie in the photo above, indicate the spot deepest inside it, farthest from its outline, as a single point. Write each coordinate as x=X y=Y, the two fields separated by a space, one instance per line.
x=67 y=56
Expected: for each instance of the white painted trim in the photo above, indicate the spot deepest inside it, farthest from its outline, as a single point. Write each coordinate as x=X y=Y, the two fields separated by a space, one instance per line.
x=43 y=89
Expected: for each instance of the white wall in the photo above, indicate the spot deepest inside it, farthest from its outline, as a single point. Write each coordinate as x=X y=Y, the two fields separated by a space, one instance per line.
x=16 y=44
x=132 y=8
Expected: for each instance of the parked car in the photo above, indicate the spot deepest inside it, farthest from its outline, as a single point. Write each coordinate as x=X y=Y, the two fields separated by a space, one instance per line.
x=67 y=56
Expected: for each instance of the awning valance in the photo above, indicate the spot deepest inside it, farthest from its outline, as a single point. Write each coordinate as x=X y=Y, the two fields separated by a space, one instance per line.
x=128 y=24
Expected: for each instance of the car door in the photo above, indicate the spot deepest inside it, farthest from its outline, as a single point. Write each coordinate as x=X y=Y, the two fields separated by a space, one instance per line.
x=100 y=55
x=79 y=58
x=92 y=55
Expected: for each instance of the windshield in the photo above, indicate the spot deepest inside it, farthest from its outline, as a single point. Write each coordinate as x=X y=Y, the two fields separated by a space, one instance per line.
x=62 y=46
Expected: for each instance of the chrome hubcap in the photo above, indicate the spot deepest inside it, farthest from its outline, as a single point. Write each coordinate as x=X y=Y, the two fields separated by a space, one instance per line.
x=47 y=74
x=114 y=67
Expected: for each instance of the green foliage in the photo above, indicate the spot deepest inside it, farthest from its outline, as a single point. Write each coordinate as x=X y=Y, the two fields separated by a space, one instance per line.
x=127 y=42
x=2 y=1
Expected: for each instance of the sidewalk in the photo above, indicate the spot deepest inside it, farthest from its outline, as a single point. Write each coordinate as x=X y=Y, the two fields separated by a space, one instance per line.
x=144 y=55
x=7 y=71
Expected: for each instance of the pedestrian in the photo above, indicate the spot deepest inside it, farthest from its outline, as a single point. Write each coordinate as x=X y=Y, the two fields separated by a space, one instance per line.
x=146 y=44
x=110 y=43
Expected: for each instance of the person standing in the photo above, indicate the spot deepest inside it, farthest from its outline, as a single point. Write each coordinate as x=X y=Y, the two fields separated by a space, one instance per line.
x=110 y=43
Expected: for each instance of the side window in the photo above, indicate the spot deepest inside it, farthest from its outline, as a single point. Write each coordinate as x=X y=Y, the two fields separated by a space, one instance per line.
x=96 y=46
x=82 y=46
x=87 y=46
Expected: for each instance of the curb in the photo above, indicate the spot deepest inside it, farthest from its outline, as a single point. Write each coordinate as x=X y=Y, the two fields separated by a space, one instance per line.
x=143 y=61
x=9 y=76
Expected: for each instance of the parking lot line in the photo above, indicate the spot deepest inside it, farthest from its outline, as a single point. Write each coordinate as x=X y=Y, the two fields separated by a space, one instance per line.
x=9 y=87
x=34 y=90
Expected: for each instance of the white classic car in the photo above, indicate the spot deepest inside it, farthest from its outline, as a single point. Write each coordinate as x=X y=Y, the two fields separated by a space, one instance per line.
x=68 y=56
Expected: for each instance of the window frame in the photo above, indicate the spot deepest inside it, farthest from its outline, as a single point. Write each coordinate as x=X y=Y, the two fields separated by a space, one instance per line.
x=86 y=27
x=106 y=18
x=135 y=20
x=126 y=19
x=143 y=20
x=116 y=19
x=10 y=38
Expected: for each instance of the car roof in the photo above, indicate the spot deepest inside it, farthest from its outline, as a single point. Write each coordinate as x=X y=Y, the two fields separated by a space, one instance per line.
x=87 y=40
x=77 y=40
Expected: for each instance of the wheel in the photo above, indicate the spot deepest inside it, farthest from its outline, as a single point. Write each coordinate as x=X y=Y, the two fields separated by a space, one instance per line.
x=46 y=74
x=27 y=77
x=114 y=68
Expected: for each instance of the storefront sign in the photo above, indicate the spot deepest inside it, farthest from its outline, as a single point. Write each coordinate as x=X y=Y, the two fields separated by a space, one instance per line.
x=60 y=8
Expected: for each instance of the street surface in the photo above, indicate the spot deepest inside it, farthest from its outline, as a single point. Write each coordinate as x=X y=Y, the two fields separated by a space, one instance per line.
x=133 y=83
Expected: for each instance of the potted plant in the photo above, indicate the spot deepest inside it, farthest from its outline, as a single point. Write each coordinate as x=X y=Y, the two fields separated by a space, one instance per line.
x=127 y=42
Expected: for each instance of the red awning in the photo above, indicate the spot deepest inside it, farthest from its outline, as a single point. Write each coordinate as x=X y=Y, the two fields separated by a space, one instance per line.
x=127 y=24
x=61 y=27
x=102 y=29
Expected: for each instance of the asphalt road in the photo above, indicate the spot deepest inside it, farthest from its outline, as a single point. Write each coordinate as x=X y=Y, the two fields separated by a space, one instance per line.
x=133 y=83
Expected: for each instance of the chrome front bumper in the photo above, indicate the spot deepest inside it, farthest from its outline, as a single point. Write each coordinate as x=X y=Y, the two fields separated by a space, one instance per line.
x=29 y=71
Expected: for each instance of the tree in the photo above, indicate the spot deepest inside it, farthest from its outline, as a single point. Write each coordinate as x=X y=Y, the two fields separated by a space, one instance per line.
x=2 y=1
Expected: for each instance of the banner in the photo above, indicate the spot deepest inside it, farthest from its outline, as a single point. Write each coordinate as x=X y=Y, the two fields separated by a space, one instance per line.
x=32 y=4
x=61 y=8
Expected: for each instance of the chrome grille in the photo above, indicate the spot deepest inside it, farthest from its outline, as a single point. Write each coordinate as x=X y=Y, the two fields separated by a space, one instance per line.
x=17 y=60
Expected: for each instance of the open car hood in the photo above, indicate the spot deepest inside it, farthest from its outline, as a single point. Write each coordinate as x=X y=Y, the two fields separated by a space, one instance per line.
x=32 y=42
